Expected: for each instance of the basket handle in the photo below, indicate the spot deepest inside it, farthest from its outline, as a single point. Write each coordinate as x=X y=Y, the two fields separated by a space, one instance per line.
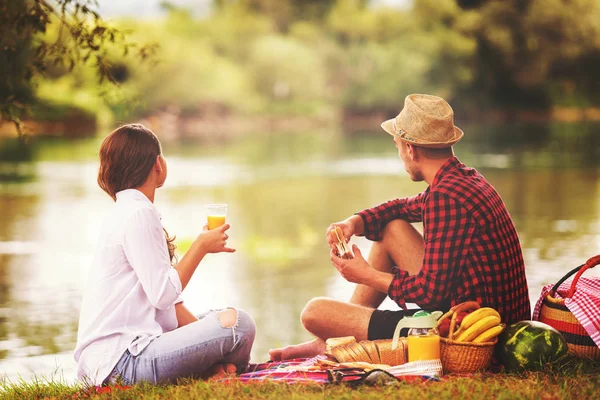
x=452 y=314
x=592 y=262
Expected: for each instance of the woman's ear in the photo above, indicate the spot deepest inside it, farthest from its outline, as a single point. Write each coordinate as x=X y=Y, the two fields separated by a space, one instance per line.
x=158 y=164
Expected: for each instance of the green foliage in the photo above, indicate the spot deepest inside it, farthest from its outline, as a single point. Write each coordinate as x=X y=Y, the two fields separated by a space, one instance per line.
x=303 y=58
x=30 y=49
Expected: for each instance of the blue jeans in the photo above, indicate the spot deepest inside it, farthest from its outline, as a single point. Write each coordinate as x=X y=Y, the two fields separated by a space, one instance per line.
x=189 y=351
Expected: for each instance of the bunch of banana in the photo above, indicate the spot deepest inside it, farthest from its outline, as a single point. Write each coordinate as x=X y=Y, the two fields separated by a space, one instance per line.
x=477 y=324
x=480 y=326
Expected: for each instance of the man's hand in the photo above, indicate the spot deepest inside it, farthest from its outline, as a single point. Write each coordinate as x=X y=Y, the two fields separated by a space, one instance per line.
x=350 y=226
x=358 y=270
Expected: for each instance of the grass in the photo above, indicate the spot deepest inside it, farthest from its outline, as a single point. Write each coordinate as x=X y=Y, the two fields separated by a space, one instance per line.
x=572 y=379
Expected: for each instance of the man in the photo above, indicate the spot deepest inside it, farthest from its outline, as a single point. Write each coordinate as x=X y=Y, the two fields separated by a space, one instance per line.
x=469 y=249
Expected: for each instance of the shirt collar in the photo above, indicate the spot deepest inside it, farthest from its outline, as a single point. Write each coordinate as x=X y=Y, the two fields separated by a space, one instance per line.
x=449 y=165
x=135 y=194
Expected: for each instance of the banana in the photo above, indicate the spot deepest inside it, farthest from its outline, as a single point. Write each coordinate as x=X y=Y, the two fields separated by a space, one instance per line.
x=490 y=334
x=475 y=316
x=478 y=328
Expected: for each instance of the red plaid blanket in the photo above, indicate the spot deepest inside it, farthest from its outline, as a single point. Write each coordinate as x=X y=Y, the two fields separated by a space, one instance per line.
x=280 y=371
x=585 y=304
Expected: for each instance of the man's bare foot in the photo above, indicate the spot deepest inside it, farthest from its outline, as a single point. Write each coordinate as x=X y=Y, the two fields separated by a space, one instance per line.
x=303 y=350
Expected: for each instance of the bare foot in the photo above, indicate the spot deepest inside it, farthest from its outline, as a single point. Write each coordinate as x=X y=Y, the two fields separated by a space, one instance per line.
x=230 y=369
x=303 y=350
x=219 y=371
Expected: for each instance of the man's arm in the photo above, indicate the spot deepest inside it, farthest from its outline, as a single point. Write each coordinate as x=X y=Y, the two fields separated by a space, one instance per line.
x=376 y=218
x=448 y=230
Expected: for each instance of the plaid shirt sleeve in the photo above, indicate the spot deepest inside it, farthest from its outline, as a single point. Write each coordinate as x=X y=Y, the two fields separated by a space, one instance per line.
x=376 y=218
x=448 y=230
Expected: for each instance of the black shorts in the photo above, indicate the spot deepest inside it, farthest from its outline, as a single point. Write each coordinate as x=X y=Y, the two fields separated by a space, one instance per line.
x=383 y=323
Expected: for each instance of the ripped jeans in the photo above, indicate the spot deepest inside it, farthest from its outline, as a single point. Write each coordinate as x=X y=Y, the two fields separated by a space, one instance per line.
x=189 y=351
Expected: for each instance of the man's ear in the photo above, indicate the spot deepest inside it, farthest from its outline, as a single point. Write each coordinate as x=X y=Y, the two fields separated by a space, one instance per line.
x=413 y=152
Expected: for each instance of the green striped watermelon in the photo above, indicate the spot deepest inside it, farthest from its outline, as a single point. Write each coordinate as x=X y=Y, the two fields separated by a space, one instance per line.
x=529 y=346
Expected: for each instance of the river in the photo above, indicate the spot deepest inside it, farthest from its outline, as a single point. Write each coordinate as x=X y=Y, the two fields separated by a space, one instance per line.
x=283 y=190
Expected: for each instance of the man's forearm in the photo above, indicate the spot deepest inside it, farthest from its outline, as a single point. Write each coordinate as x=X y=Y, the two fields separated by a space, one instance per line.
x=358 y=223
x=380 y=281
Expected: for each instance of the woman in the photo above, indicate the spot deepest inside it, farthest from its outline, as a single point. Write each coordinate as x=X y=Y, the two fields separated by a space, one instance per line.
x=133 y=325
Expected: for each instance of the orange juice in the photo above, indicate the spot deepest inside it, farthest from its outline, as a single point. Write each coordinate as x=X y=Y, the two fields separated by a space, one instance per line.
x=423 y=347
x=214 y=221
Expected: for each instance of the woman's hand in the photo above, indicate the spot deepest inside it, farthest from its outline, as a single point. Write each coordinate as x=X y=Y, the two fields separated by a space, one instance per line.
x=214 y=240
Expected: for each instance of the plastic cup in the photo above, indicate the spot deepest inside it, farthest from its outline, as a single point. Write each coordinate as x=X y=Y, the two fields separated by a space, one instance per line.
x=216 y=215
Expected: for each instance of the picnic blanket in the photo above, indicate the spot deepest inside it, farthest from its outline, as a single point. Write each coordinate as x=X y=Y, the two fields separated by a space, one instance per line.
x=585 y=304
x=300 y=371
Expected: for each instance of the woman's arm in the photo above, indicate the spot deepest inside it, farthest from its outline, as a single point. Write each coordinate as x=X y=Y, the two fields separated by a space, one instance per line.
x=184 y=316
x=209 y=241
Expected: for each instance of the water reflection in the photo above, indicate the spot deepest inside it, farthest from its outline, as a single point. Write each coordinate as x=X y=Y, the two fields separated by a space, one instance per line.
x=282 y=191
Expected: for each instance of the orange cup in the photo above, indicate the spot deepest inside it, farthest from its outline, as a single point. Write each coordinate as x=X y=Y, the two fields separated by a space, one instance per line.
x=216 y=215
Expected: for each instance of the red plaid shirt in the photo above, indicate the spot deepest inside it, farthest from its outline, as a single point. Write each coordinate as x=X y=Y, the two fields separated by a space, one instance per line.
x=472 y=250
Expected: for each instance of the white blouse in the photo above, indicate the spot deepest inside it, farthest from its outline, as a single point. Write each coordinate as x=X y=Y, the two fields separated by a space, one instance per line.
x=130 y=295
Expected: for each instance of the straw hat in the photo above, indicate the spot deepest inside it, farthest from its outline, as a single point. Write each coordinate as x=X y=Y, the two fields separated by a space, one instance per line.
x=425 y=121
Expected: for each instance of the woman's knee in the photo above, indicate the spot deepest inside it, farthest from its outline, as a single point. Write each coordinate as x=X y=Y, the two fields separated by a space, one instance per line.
x=240 y=320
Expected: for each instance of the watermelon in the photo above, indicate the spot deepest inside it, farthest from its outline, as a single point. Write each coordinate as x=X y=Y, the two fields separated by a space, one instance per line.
x=529 y=346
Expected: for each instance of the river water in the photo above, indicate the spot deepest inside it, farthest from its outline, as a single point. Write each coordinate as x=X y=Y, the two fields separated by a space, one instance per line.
x=283 y=190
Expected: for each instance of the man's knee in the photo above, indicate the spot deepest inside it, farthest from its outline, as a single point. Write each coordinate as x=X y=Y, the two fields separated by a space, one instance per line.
x=397 y=229
x=313 y=312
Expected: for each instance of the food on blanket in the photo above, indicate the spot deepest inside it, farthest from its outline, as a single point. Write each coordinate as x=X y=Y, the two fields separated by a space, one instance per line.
x=529 y=346
x=339 y=341
x=341 y=245
x=364 y=365
x=490 y=334
x=389 y=356
x=444 y=327
x=461 y=310
x=371 y=349
x=472 y=323
x=377 y=351
x=326 y=364
x=341 y=354
x=478 y=328
x=358 y=353
x=473 y=317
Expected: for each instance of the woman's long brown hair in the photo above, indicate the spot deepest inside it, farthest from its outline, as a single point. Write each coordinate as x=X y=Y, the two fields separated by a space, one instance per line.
x=127 y=156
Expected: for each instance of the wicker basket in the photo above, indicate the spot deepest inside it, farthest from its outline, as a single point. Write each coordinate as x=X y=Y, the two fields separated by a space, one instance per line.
x=463 y=357
x=554 y=313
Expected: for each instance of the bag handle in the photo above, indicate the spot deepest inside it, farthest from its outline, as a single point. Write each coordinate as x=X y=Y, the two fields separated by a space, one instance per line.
x=592 y=262
x=564 y=278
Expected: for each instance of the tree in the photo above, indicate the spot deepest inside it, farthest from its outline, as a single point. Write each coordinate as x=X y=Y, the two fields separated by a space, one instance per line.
x=27 y=54
x=537 y=52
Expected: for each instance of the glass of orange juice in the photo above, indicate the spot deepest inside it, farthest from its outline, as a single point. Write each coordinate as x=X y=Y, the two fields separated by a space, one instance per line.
x=216 y=215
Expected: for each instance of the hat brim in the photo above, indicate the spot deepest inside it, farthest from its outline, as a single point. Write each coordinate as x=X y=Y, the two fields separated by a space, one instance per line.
x=388 y=126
